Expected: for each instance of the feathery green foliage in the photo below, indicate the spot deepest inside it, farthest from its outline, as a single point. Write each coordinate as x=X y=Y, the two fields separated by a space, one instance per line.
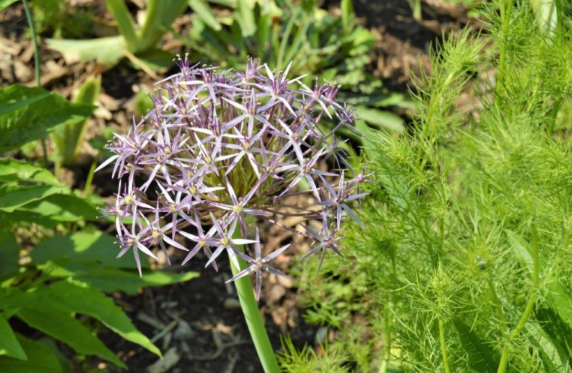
x=466 y=250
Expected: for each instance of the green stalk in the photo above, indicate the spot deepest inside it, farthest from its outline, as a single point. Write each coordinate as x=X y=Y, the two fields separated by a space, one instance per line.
x=89 y=180
x=36 y=66
x=529 y=305
x=505 y=11
x=69 y=138
x=253 y=318
x=554 y=116
x=443 y=346
x=387 y=334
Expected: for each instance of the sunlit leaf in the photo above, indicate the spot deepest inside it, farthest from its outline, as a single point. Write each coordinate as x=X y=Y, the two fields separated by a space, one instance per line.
x=29 y=114
x=87 y=246
x=13 y=170
x=73 y=296
x=203 y=10
x=14 y=196
x=381 y=119
x=9 y=345
x=108 y=51
x=64 y=327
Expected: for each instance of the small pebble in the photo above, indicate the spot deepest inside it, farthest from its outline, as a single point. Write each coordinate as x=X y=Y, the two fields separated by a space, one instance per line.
x=231 y=304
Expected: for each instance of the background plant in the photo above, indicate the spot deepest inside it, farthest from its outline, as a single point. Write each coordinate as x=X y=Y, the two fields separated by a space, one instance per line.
x=137 y=42
x=334 y=48
x=465 y=248
x=52 y=272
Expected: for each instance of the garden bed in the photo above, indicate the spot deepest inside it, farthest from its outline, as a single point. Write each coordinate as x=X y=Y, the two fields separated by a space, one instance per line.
x=199 y=325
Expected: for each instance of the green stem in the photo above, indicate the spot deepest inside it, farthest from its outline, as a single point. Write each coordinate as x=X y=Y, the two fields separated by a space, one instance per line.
x=89 y=180
x=253 y=317
x=555 y=109
x=387 y=333
x=443 y=346
x=36 y=65
x=505 y=10
x=497 y=302
x=529 y=305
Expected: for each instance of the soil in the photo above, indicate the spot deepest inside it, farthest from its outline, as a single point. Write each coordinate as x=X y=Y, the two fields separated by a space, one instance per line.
x=199 y=325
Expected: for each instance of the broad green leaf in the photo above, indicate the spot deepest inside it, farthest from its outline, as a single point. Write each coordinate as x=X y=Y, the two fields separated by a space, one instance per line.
x=22 y=171
x=62 y=326
x=73 y=296
x=29 y=114
x=381 y=119
x=62 y=208
x=482 y=358
x=108 y=279
x=9 y=345
x=108 y=51
x=9 y=253
x=90 y=245
x=6 y=3
x=41 y=359
x=14 y=196
x=203 y=10
x=551 y=353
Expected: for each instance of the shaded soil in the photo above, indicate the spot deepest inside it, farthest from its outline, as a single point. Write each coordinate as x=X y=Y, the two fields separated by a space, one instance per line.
x=199 y=324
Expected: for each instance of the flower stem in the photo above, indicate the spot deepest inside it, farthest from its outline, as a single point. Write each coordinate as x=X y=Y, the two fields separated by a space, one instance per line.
x=253 y=318
x=36 y=65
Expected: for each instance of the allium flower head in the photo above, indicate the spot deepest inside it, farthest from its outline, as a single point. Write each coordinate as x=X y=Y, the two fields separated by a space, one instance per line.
x=222 y=146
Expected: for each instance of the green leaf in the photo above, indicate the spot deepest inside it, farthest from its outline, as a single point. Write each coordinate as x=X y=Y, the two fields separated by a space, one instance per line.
x=381 y=119
x=107 y=51
x=520 y=249
x=9 y=254
x=41 y=359
x=245 y=17
x=13 y=170
x=74 y=296
x=62 y=326
x=553 y=356
x=62 y=208
x=29 y=114
x=14 y=196
x=559 y=298
x=9 y=345
x=347 y=14
x=108 y=279
x=125 y=22
x=203 y=10
x=90 y=245
x=156 y=59
x=69 y=138
x=482 y=358
x=6 y=3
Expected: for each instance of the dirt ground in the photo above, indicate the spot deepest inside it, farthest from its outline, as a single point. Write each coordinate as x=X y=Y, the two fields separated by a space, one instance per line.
x=199 y=325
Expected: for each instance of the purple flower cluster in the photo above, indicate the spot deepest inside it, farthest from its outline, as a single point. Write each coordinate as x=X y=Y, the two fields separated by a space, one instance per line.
x=222 y=147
